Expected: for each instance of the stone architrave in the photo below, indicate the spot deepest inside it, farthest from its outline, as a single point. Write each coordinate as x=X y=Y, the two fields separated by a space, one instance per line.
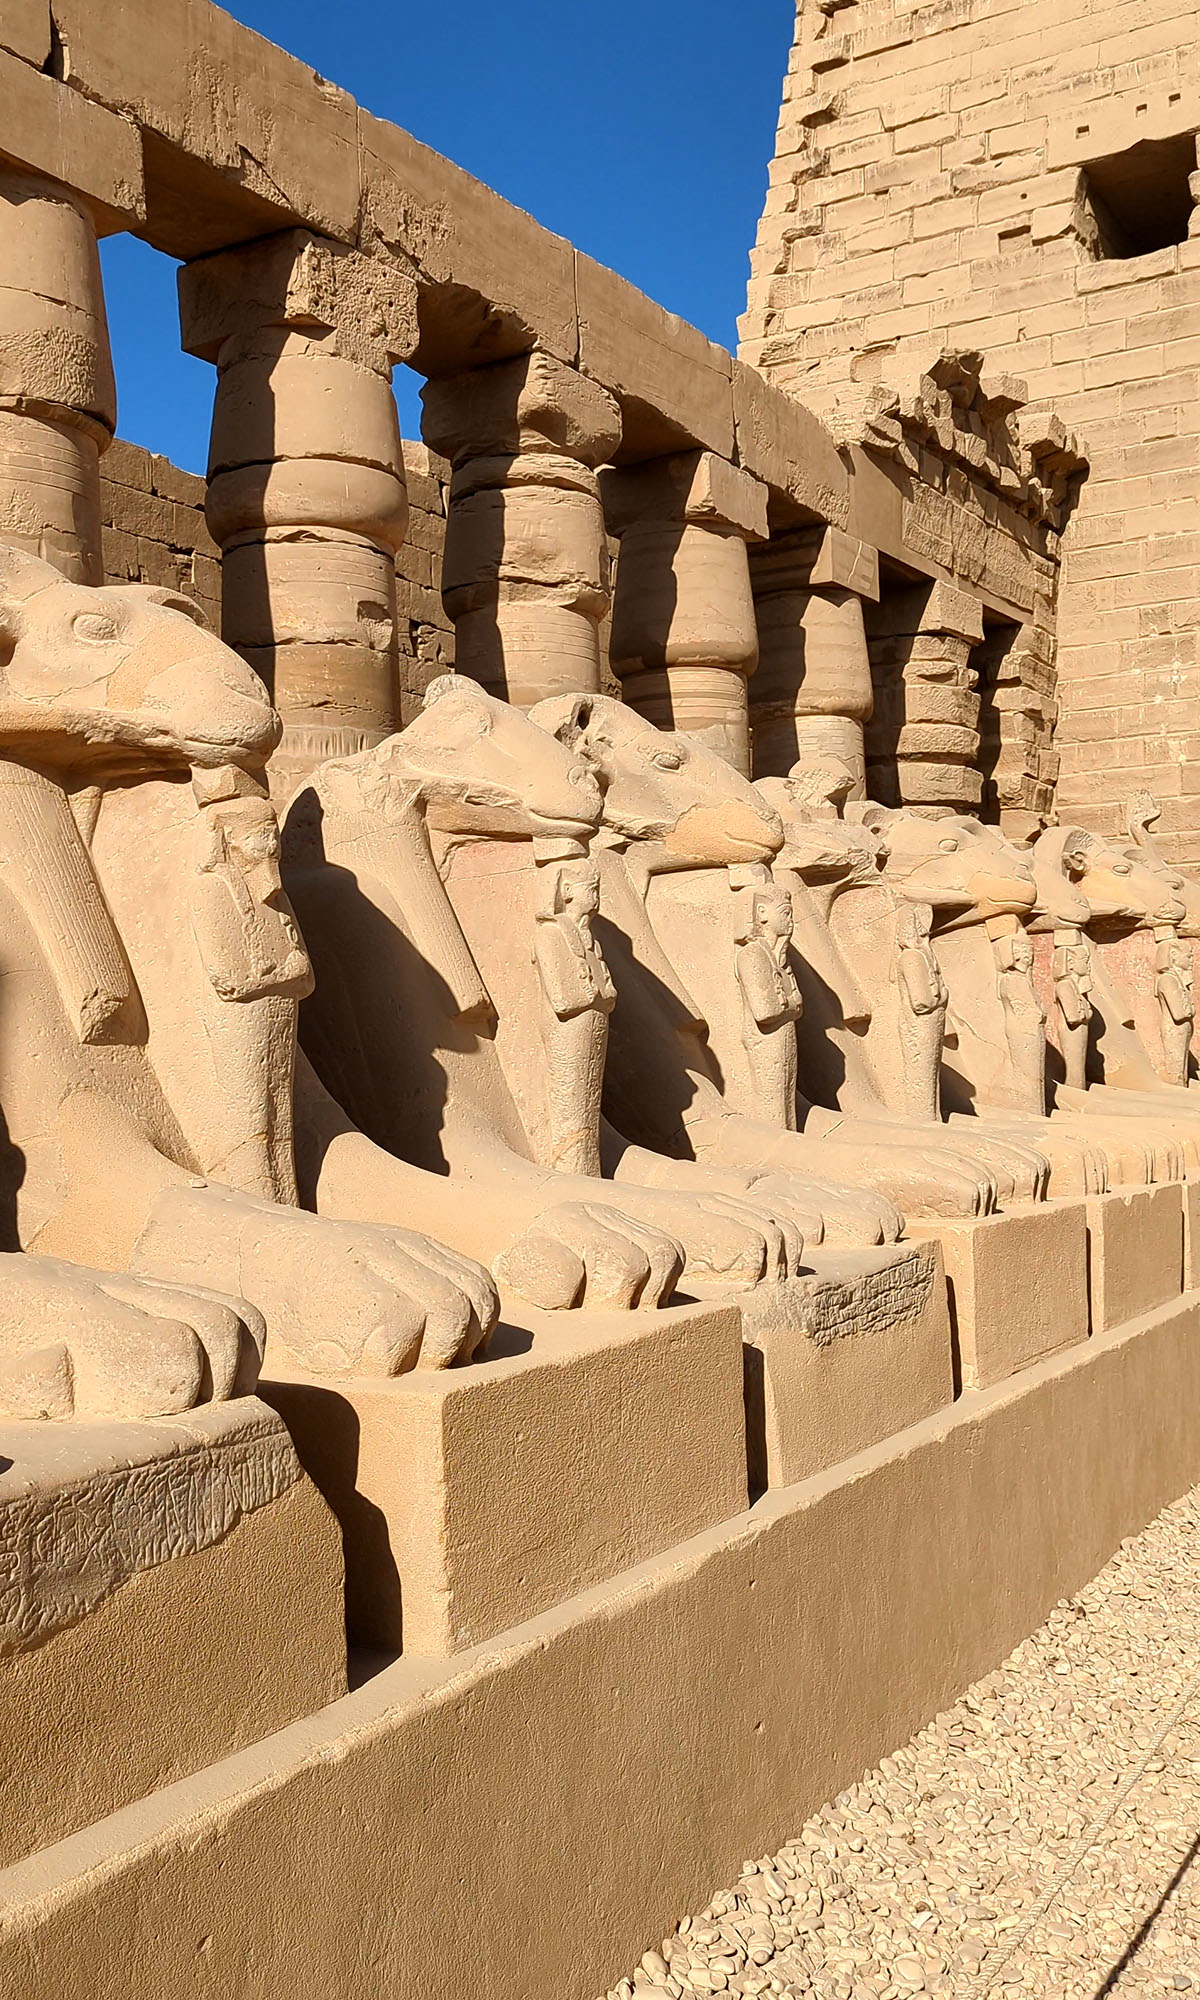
x=525 y=569
x=923 y=742
x=812 y=694
x=306 y=496
x=58 y=405
x=684 y=641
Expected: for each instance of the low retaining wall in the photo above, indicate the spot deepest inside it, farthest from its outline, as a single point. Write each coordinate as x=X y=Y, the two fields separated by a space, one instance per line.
x=519 y=1820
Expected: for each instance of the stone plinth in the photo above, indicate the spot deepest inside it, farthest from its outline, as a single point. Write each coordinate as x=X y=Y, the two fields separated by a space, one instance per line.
x=1018 y=1286
x=1135 y=1252
x=841 y=1359
x=169 y=1592
x=472 y=1498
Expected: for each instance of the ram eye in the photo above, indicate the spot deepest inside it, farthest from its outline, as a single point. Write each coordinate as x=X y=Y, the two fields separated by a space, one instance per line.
x=667 y=760
x=948 y=846
x=95 y=626
x=1122 y=868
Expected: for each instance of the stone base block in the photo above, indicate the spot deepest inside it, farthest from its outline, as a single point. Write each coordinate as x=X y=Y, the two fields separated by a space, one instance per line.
x=839 y=1360
x=1018 y=1286
x=473 y=1498
x=1191 y=1235
x=169 y=1592
x=1135 y=1252
x=523 y=1818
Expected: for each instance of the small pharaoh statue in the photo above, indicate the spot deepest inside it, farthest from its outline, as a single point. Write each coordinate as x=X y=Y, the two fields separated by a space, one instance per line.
x=242 y=921
x=580 y=996
x=771 y=1002
x=1176 y=1000
x=923 y=1001
x=1024 y=1021
x=1072 y=968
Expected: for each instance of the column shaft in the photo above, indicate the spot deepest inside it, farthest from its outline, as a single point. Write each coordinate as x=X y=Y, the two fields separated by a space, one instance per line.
x=684 y=643
x=525 y=569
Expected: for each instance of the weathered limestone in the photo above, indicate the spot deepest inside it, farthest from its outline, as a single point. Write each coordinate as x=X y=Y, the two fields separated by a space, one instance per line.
x=306 y=495
x=189 y=1560
x=812 y=692
x=684 y=641
x=525 y=571
x=479 y=1499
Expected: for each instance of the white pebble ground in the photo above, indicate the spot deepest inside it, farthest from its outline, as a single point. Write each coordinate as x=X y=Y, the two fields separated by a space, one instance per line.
x=922 y=1878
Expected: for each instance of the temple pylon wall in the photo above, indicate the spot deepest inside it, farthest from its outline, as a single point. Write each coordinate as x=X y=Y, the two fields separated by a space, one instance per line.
x=1021 y=182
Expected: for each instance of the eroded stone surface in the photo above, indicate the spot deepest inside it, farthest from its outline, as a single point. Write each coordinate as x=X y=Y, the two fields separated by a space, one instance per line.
x=85 y=1507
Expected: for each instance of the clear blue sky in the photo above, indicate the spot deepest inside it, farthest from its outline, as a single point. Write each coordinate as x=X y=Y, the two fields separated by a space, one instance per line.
x=641 y=129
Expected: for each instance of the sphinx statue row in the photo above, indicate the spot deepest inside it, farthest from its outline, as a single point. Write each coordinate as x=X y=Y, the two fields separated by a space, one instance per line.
x=553 y=1005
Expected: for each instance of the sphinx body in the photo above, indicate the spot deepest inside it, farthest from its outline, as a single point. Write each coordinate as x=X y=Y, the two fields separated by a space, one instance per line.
x=682 y=832
x=1122 y=915
x=460 y=1013
x=152 y=977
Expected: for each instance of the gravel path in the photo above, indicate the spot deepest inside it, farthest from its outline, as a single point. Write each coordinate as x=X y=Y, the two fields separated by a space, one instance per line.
x=922 y=1878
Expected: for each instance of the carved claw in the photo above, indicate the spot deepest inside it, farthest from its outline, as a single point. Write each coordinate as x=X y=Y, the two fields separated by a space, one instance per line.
x=89 y=1344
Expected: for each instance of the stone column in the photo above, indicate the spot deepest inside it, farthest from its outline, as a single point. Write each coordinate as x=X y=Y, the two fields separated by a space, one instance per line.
x=812 y=693
x=525 y=568
x=684 y=642
x=923 y=740
x=306 y=496
x=58 y=404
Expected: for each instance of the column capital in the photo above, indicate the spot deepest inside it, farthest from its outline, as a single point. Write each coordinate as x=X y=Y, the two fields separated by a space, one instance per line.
x=698 y=487
x=363 y=309
x=532 y=404
x=953 y=612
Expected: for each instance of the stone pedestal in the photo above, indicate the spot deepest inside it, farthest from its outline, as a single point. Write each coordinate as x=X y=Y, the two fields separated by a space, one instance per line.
x=684 y=641
x=525 y=567
x=812 y=692
x=306 y=496
x=1018 y=1286
x=839 y=1360
x=1191 y=1235
x=474 y=1498
x=169 y=1593
x=1135 y=1252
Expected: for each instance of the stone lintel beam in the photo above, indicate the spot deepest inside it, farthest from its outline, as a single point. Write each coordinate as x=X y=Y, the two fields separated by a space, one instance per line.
x=53 y=131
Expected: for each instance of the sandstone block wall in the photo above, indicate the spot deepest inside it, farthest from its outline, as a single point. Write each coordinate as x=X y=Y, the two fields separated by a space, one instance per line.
x=931 y=189
x=426 y=635
x=153 y=526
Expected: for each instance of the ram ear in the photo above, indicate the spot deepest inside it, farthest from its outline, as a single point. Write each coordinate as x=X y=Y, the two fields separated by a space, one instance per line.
x=566 y=716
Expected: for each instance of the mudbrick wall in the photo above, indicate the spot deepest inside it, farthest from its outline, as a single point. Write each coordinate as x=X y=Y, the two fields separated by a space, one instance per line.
x=1018 y=180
